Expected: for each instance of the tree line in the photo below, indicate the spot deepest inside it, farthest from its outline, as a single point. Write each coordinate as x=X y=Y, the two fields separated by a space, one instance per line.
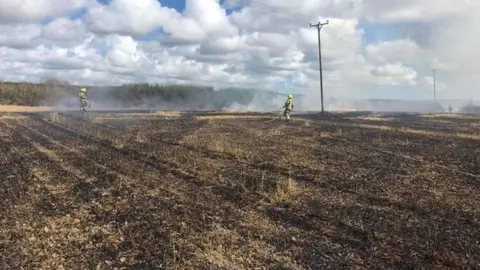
x=52 y=91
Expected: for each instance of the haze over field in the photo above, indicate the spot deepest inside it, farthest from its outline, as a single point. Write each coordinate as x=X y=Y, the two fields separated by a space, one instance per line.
x=371 y=48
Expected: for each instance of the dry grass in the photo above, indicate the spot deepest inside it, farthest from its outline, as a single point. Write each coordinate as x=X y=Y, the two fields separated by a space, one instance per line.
x=406 y=130
x=15 y=108
x=168 y=114
x=54 y=117
x=451 y=116
x=287 y=190
x=235 y=193
x=13 y=116
x=371 y=118
x=227 y=117
x=141 y=137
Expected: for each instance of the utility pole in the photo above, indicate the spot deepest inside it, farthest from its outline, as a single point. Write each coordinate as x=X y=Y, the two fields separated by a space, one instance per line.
x=434 y=86
x=319 y=26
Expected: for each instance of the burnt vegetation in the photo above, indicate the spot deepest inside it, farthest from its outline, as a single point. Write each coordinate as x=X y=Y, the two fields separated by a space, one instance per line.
x=171 y=190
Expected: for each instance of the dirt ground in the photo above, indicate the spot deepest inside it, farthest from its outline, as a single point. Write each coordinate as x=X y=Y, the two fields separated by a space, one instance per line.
x=232 y=191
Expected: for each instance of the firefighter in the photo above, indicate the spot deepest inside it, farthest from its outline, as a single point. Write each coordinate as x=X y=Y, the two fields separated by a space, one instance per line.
x=288 y=107
x=83 y=99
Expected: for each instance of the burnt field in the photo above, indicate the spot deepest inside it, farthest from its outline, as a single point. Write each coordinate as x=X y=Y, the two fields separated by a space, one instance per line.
x=169 y=190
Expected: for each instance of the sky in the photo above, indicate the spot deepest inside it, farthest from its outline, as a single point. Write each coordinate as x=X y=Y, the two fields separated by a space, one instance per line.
x=370 y=48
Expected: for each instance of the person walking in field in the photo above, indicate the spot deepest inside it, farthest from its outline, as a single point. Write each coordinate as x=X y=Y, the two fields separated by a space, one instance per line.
x=83 y=99
x=288 y=107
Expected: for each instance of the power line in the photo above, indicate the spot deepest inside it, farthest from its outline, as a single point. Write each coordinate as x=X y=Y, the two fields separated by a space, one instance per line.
x=319 y=26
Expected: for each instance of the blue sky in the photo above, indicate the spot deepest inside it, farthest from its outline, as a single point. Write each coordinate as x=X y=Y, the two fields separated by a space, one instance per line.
x=375 y=33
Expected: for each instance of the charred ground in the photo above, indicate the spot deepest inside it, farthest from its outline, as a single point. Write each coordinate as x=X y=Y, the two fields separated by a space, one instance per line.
x=225 y=191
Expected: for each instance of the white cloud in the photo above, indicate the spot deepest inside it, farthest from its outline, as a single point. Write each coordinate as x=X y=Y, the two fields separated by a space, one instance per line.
x=64 y=30
x=37 y=10
x=396 y=74
x=263 y=43
x=123 y=52
x=415 y=10
x=130 y=17
x=401 y=50
x=210 y=16
x=19 y=35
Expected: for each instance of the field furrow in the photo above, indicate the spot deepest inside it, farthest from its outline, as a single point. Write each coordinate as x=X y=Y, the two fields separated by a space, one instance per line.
x=224 y=191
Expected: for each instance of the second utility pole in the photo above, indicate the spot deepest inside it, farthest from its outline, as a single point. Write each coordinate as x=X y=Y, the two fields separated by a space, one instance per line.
x=319 y=27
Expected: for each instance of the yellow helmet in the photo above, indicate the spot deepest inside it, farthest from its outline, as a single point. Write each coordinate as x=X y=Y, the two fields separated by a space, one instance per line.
x=290 y=96
x=83 y=90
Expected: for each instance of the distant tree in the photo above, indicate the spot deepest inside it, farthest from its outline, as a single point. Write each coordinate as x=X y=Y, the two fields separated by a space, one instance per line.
x=173 y=96
x=56 y=89
x=54 y=81
x=470 y=108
